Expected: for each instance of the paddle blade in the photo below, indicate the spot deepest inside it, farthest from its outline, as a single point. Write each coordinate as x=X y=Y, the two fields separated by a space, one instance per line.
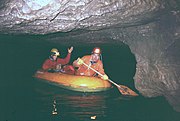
x=126 y=91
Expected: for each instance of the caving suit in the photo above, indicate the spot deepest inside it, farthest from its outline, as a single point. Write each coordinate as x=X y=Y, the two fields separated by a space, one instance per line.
x=84 y=70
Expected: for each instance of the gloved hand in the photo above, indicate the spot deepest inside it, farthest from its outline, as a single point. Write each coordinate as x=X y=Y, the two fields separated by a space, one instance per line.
x=70 y=50
x=80 y=61
x=105 y=77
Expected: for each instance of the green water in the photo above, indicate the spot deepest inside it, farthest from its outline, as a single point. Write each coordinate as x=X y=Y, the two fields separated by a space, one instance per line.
x=24 y=98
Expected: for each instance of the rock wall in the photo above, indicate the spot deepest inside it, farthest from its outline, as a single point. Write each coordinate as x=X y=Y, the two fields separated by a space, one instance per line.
x=48 y=16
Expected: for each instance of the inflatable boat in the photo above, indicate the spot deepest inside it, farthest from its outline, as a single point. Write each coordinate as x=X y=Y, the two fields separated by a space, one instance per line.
x=73 y=82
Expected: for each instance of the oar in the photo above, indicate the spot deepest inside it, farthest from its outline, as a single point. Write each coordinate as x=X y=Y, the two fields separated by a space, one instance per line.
x=123 y=89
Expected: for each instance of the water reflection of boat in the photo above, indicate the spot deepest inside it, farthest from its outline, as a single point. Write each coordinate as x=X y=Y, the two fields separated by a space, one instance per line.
x=75 y=83
x=82 y=107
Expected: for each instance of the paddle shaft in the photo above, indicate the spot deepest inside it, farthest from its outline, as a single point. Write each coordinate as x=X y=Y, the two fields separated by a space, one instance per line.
x=122 y=89
x=102 y=75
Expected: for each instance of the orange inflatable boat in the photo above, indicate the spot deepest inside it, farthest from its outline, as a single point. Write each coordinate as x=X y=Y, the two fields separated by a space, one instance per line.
x=73 y=82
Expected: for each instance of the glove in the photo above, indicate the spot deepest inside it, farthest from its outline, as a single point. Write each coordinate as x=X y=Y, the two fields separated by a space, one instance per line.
x=70 y=50
x=80 y=61
x=105 y=77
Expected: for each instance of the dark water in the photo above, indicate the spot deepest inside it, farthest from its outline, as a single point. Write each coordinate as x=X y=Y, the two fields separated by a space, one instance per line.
x=24 y=98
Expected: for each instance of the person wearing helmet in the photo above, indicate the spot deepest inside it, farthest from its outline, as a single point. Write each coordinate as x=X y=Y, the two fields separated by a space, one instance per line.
x=93 y=61
x=54 y=63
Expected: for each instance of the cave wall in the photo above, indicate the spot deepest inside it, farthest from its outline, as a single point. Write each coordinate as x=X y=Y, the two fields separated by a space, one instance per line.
x=48 y=16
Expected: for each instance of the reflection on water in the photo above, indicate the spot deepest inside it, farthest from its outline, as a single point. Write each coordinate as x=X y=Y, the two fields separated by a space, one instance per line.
x=54 y=111
x=84 y=106
x=78 y=106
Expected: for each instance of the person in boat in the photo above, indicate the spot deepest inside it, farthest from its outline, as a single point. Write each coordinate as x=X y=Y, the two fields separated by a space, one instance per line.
x=94 y=61
x=56 y=64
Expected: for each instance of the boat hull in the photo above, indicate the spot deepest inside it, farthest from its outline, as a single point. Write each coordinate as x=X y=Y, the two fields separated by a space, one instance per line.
x=73 y=82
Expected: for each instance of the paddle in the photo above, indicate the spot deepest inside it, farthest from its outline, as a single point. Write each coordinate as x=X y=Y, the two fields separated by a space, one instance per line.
x=123 y=89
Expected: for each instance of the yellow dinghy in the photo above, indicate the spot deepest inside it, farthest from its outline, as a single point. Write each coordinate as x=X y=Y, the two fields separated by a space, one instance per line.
x=73 y=82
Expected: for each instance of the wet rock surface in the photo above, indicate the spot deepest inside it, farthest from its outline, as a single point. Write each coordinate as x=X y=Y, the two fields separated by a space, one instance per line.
x=149 y=27
x=48 y=16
